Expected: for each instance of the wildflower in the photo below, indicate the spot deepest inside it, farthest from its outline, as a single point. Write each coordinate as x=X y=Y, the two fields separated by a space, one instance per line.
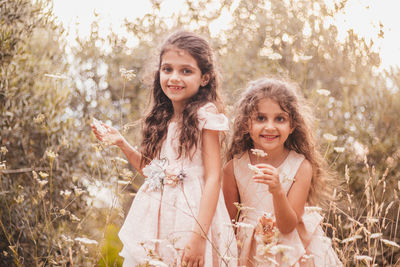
x=280 y=249
x=306 y=257
x=65 y=193
x=3 y=150
x=390 y=243
x=372 y=220
x=121 y=160
x=312 y=209
x=42 y=182
x=258 y=152
x=86 y=241
x=43 y=174
x=127 y=74
x=2 y=165
x=338 y=149
x=362 y=258
x=78 y=191
x=19 y=199
x=75 y=218
x=323 y=92
x=304 y=57
x=63 y=212
x=52 y=155
x=39 y=118
x=66 y=239
x=330 y=137
x=126 y=174
x=275 y=56
x=5 y=253
x=351 y=238
x=99 y=126
x=42 y=193
x=244 y=225
x=255 y=169
x=56 y=76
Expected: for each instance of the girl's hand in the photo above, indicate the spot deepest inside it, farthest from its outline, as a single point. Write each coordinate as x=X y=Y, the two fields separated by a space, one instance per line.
x=270 y=177
x=109 y=134
x=193 y=254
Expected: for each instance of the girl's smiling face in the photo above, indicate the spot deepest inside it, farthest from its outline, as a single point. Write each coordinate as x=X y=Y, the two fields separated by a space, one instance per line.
x=180 y=77
x=269 y=126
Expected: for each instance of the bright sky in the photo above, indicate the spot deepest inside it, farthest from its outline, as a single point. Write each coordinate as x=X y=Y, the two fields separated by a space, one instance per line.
x=363 y=16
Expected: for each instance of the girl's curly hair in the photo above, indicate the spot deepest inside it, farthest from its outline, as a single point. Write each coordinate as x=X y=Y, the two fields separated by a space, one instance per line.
x=301 y=140
x=157 y=120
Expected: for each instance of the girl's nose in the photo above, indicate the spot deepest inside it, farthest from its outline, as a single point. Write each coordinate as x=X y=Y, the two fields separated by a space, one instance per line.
x=268 y=125
x=174 y=76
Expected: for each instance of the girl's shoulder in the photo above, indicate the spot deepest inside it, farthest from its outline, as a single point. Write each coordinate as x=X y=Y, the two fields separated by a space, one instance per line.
x=210 y=118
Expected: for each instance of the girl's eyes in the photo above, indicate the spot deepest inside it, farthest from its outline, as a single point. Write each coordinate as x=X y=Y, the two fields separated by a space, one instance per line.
x=169 y=70
x=260 y=118
x=280 y=119
x=166 y=69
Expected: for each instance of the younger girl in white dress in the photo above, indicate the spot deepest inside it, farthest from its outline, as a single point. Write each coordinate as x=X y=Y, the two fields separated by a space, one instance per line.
x=178 y=217
x=274 y=170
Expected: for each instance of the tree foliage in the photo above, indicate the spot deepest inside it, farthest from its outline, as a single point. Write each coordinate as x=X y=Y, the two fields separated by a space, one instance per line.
x=48 y=101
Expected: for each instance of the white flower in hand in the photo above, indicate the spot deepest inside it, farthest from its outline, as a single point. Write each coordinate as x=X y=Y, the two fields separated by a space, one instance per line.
x=107 y=134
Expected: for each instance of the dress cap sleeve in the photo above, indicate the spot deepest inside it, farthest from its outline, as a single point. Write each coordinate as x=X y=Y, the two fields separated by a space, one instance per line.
x=210 y=118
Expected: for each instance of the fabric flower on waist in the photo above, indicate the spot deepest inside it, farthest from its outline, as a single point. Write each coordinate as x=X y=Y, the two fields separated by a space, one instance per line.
x=159 y=173
x=266 y=231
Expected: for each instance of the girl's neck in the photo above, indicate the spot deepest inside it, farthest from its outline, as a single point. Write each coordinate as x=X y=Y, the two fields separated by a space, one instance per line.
x=274 y=158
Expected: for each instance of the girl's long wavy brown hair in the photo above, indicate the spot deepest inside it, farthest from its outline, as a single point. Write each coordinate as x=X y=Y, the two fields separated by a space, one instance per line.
x=157 y=120
x=301 y=140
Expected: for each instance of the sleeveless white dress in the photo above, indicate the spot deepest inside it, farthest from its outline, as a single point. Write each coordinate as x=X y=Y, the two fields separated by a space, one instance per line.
x=304 y=246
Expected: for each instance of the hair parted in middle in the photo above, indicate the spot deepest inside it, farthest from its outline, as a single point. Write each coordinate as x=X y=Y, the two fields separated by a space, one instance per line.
x=301 y=140
x=157 y=120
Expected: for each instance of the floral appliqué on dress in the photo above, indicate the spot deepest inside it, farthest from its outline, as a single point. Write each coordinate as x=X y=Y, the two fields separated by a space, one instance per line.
x=158 y=173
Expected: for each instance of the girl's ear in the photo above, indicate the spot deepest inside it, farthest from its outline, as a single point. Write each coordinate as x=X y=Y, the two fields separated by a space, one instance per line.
x=292 y=129
x=205 y=79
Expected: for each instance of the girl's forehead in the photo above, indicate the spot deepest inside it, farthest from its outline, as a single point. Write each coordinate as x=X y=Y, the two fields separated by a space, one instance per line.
x=266 y=105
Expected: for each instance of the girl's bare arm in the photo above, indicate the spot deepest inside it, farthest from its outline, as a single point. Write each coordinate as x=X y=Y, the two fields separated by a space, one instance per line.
x=229 y=187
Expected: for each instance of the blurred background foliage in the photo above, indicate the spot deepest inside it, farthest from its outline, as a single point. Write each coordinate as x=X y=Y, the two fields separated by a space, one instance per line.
x=63 y=196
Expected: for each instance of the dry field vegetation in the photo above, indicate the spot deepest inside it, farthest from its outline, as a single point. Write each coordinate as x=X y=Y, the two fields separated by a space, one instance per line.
x=63 y=195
